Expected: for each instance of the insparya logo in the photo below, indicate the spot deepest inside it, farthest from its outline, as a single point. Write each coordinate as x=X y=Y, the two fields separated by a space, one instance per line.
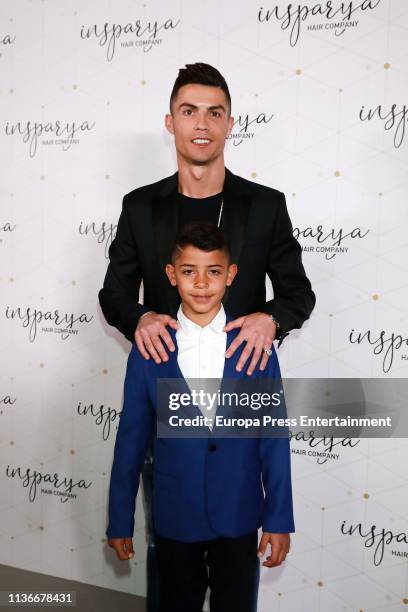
x=322 y=449
x=140 y=33
x=333 y=15
x=394 y=120
x=56 y=133
x=31 y=479
x=377 y=539
x=103 y=232
x=328 y=241
x=246 y=126
x=105 y=415
x=52 y=321
x=385 y=344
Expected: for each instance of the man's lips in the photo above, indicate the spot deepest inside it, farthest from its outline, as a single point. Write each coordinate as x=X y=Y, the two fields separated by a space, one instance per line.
x=201 y=142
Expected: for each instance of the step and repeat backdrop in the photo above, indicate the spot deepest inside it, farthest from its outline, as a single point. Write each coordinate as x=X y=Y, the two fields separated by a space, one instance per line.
x=320 y=103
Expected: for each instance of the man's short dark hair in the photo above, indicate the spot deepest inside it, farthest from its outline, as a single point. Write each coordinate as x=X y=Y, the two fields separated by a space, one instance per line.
x=202 y=235
x=201 y=74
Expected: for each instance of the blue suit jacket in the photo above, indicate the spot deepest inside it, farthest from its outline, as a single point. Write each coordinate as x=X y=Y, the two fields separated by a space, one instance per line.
x=198 y=494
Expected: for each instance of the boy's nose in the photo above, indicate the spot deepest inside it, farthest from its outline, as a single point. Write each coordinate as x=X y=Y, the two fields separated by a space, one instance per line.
x=201 y=281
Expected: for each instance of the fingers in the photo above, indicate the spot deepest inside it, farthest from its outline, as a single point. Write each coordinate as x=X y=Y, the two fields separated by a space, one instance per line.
x=280 y=544
x=123 y=548
x=255 y=357
x=245 y=355
x=264 y=360
x=153 y=345
x=167 y=339
x=266 y=343
x=262 y=545
x=234 y=345
x=234 y=324
x=150 y=332
x=257 y=346
x=272 y=560
x=129 y=548
x=140 y=345
x=277 y=557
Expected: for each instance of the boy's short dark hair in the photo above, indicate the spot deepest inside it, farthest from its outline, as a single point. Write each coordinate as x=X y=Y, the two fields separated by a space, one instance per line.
x=201 y=74
x=202 y=235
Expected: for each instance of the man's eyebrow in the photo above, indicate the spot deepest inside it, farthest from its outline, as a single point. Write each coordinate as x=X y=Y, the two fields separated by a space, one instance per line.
x=212 y=107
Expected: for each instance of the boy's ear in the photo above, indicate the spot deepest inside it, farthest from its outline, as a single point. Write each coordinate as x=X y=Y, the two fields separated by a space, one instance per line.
x=232 y=272
x=170 y=271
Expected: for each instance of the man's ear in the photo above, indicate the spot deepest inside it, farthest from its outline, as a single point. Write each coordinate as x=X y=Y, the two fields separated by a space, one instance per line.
x=230 y=125
x=168 y=122
x=232 y=272
x=170 y=271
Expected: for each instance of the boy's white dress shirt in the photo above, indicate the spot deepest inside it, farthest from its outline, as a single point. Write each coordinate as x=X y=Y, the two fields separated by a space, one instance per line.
x=201 y=350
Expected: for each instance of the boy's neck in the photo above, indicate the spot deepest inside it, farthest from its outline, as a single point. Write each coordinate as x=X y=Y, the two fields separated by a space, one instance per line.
x=200 y=318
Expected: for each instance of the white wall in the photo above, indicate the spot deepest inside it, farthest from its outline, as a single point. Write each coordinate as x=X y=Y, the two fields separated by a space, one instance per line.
x=297 y=95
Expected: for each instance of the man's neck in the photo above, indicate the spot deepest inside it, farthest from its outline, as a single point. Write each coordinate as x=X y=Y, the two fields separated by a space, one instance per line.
x=201 y=181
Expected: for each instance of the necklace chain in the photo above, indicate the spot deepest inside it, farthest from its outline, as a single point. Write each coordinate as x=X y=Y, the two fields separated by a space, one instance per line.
x=219 y=217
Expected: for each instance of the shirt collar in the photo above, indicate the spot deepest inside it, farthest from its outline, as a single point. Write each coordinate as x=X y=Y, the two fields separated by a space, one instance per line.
x=216 y=324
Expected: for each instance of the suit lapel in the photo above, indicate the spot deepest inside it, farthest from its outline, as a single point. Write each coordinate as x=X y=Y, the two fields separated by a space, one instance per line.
x=165 y=225
x=234 y=220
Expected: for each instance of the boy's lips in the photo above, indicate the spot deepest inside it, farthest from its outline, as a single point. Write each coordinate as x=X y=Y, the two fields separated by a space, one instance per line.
x=200 y=298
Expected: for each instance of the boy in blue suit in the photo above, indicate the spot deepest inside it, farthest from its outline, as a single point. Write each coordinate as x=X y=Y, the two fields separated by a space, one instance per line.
x=210 y=494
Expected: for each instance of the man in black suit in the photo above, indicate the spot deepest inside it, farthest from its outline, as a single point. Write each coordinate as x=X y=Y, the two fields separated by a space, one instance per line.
x=253 y=217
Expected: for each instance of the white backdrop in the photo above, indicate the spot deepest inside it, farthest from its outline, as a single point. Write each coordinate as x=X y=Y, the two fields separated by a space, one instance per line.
x=318 y=97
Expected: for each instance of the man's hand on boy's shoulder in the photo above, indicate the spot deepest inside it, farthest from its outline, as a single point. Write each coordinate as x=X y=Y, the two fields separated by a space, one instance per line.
x=258 y=330
x=151 y=332
x=123 y=548
x=280 y=545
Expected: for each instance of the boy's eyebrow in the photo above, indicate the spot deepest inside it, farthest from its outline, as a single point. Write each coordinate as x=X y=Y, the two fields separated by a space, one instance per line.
x=195 y=265
x=212 y=107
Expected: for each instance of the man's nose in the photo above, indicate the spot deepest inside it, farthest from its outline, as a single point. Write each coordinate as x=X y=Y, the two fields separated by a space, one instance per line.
x=201 y=121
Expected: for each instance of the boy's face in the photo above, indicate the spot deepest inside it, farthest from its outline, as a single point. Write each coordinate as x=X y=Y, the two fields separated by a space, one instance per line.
x=201 y=278
x=199 y=112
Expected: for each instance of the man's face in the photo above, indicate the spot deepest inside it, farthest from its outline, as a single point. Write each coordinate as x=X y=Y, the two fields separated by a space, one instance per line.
x=199 y=122
x=201 y=278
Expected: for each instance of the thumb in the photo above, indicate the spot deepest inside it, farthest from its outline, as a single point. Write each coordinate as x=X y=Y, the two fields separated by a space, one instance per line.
x=234 y=324
x=262 y=545
x=128 y=548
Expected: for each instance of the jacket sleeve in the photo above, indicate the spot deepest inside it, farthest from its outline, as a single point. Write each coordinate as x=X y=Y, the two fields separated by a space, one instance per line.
x=293 y=299
x=276 y=472
x=135 y=431
x=120 y=293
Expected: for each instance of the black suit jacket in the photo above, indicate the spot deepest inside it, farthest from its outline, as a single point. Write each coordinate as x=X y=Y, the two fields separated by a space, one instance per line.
x=256 y=221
